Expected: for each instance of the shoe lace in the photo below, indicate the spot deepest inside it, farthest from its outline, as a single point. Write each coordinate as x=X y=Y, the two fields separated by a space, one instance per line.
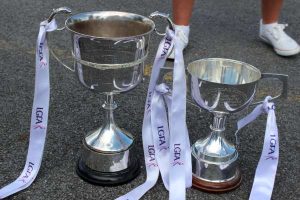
x=278 y=30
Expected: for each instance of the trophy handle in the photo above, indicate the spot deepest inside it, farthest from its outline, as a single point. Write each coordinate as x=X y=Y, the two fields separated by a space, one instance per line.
x=162 y=15
x=283 y=78
x=61 y=10
x=61 y=62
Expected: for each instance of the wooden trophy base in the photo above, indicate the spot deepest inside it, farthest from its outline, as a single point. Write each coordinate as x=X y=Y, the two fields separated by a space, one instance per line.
x=214 y=187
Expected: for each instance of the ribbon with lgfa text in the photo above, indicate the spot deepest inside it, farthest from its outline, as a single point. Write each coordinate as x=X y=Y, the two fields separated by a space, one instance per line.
x=267 y=166
x=39 y=116
x=165 y=137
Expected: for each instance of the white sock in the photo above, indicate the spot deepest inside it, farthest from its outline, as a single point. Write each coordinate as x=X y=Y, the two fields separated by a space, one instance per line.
x=184 y=29
x=266 y=26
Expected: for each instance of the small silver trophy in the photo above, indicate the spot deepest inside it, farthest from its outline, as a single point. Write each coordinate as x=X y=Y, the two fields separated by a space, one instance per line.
x=222 y=87
x=109 y=49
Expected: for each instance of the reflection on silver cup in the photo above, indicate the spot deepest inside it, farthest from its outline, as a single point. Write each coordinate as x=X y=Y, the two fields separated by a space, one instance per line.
x=222 y=87
x=109 y=49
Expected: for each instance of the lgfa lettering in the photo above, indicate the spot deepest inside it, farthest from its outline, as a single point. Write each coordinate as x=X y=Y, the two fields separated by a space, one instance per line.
x=167 y=46
x=177 y=155
x=272 y=149
x=177 y=152
x=272 y=145
x=273 y=142
x=151 y=152
x=28 y=171
x=39 y=115
x=161 y=135
x=41 y=51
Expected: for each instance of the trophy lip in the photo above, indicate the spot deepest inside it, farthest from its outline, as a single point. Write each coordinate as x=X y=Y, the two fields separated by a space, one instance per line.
x=225 y=59
x=110 y=38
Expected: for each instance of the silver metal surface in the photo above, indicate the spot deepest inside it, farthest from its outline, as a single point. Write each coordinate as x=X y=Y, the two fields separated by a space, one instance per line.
x=109 y=137
x=110 y=25
x=108 y=148
x=105 y=161
x=213 y=167
x=214 y=158
x=109 y=49
x=284 y=80
x=221 y=86
x=64 y=10
x=162 y=15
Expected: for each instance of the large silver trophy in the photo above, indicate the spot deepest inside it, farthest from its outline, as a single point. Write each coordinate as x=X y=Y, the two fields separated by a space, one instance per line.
x=222 y=87
x=109 y=49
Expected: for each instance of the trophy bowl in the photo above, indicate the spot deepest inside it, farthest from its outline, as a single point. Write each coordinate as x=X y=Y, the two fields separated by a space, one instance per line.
x=222 y=87
x=109 y=49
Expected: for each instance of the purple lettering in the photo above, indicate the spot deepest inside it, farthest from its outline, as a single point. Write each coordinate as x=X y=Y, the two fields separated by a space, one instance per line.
x=167 y=46
x=29 y=170
x=41 y=51
x=177 y=151
x=151 y=152
x=272 y=146
x=161 y=135
x=39 y=115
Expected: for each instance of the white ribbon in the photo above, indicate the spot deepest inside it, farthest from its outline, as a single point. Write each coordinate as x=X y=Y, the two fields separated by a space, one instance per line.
x=267 y=166
x=165 y=142
x=39 y=116
x=160 y=129
x=180 y=158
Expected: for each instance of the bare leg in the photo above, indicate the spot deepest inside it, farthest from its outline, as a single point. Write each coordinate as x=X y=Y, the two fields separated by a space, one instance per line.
x=182 y=11
x=270 y=10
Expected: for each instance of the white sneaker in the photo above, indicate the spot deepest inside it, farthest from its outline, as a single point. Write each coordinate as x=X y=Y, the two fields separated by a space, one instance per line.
x=183 y=32
x=274 y=35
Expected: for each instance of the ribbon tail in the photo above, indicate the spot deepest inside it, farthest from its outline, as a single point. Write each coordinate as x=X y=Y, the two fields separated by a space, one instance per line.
x=188 y=159
x=17 y=185
x=178 y=134
x=160 y=132
x=266 y=170
x=38 y=129
x=138 y=192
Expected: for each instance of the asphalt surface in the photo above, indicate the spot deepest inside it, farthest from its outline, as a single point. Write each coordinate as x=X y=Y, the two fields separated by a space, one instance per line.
x=227 y=29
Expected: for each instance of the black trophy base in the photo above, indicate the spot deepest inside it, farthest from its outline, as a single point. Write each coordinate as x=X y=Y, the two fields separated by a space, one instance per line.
x=108 y=178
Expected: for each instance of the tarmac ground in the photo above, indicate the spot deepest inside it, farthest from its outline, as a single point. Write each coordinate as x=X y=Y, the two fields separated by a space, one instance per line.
x=227 y=29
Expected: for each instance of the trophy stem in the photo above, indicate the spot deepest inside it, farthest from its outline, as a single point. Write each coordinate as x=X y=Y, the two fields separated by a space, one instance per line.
x=219 y=121
x=214 y=160
x=108 y=157
x=109 y=106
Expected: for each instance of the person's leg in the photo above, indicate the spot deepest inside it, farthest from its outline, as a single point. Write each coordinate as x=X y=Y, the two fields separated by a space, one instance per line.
x=182 y=11
x=270 y=10
x=272 y=32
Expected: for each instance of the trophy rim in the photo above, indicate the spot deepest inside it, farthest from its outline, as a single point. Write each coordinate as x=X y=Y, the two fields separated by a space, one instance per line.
x=224 y=59
x=110 y=38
